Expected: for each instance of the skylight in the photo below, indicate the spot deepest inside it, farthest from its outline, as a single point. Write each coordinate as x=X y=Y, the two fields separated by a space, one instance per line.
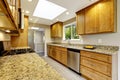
x=48 y=10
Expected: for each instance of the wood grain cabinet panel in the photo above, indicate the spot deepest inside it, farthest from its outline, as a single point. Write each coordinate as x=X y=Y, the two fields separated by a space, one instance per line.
x=56 y=30
x=58 y=53
x=80 y=18
x=7 y=45
x=102 y=67
x=98 y=18
x=91 y=20
x=106 y=16
x=92 y=74
x=96 y=66
x=97 y=56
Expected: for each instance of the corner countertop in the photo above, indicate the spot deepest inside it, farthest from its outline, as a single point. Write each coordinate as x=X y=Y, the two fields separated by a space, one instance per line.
x=27 y=66
x=103 y=49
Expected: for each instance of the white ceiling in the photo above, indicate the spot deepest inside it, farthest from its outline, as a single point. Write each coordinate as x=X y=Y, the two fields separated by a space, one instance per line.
x=72 y=6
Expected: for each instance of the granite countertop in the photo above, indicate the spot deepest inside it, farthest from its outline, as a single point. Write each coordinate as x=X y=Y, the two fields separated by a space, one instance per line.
x=27 y=66
x=103 y=49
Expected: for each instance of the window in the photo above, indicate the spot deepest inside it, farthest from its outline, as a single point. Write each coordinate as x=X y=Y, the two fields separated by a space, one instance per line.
x=70 y=32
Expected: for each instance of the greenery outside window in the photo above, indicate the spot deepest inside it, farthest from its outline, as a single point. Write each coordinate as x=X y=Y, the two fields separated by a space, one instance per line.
x=69 y=32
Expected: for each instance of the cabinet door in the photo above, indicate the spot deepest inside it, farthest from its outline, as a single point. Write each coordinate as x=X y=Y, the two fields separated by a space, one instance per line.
x=48 y=50
x=80 y=18
x=91 y=20
x=106 y=16
x=64 y=57
x=56 y=30
x=59 y=29
x=53 y=31
x=7 y=45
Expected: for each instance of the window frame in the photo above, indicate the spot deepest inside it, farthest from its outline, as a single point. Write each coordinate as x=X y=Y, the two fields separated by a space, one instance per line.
x=64 y=31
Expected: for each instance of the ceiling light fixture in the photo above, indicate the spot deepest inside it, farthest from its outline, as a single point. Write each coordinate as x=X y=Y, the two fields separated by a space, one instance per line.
x=48 y=10
x=8 y=31
x=36 y=28
x=67 y=13
x=27 y=12
x=30 y=0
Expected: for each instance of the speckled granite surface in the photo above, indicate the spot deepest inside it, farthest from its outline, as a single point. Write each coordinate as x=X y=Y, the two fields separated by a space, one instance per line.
x=110 y=50
x=27 y=66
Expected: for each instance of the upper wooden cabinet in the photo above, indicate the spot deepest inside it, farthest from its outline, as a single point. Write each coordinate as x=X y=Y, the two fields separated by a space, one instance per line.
x=91 y=20
x=80 y=18
x=9 y=15
x=97 y=18
x=56 y=30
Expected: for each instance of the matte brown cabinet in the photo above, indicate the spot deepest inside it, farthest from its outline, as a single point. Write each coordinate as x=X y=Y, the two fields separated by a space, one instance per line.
x=96 y=66
x=58 y=53
x=97 y=18
x=57 y=30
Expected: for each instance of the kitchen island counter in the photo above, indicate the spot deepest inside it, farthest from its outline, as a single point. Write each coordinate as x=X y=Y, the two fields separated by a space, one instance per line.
x=27 y=66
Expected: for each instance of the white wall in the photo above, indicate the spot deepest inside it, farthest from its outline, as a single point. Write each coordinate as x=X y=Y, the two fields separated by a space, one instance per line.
x=47 y=34
x=38 y=41
x=4 y=37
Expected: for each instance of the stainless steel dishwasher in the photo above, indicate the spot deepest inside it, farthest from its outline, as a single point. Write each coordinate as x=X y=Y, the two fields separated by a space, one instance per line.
x=73 y=59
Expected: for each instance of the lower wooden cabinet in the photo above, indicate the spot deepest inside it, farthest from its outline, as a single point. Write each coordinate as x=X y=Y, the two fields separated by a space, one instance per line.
x=58 y=53
x=92 y=74
x=96 y=66
x=104 y=68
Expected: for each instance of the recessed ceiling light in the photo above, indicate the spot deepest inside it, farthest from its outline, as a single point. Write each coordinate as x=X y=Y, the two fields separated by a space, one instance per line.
x=67 y=13
x=36 y=28
x=48 y=10
x=27 y=12
x=30 y=0
x=8 y=31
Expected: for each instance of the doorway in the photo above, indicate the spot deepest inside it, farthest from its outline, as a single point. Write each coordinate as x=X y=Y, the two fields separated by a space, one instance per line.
x=36 y=39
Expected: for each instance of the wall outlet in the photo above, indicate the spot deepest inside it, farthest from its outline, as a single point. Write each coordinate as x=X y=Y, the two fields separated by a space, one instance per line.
x=99 y=40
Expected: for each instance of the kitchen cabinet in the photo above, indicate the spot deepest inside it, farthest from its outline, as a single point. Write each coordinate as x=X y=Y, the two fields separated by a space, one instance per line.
x=58 y=53
x=56 y=30
x=80 y=22
x=91 y=20
x=107 y=15
x=7 y=45
x=96 y=66
x=97 y=18
x=8 y=16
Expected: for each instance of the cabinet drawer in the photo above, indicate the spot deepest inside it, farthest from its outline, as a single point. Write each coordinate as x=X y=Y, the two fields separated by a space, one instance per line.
x=61 y=48
x=93 y=74
x=99 y=66
x=97 y=56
